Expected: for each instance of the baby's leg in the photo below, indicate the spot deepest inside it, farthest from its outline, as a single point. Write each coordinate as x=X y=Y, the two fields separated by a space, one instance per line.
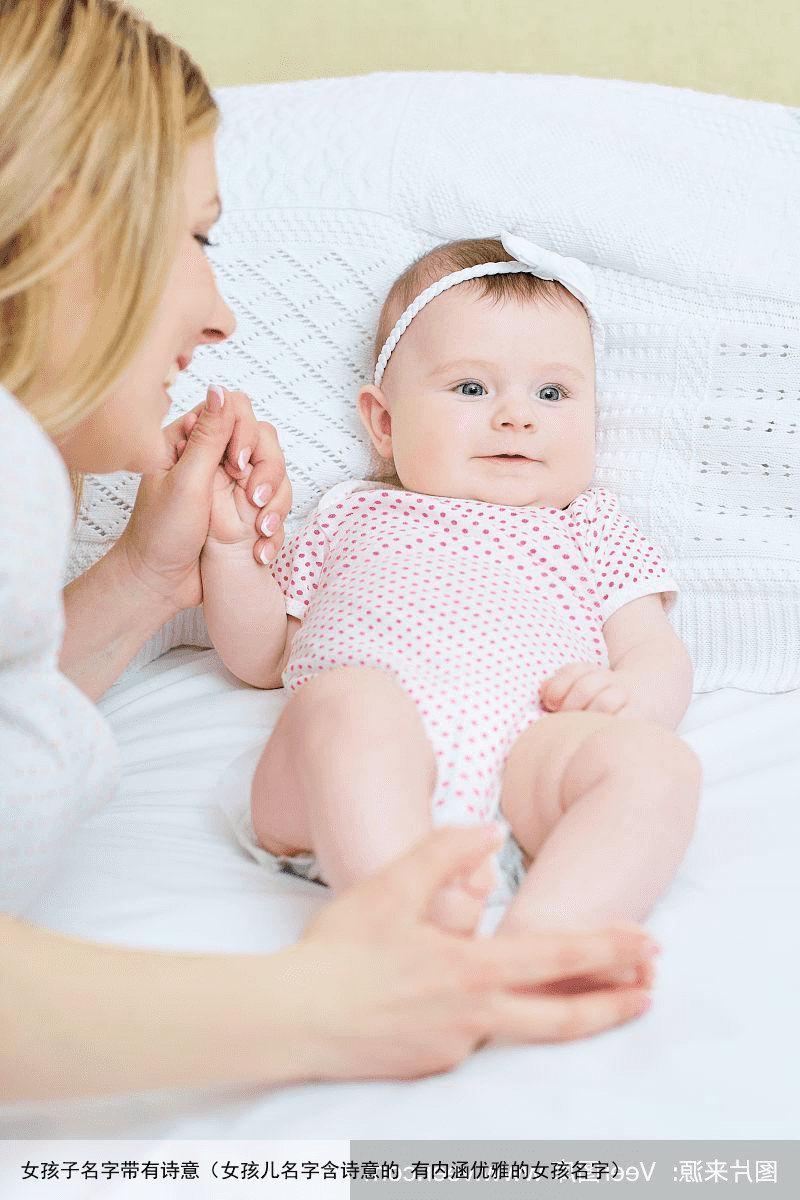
x=349 y=773
x=605 y=808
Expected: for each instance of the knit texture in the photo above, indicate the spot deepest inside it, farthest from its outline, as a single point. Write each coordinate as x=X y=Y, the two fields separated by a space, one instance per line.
x=685 y=206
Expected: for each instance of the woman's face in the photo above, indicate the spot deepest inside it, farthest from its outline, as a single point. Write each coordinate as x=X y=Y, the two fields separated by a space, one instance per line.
x=125 y=432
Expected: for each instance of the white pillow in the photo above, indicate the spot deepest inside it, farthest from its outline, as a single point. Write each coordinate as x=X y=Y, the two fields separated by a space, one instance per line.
x=685 y=205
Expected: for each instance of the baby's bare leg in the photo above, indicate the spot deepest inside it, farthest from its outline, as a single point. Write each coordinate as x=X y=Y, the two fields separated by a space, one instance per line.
x=605 y=807
x=348 y=773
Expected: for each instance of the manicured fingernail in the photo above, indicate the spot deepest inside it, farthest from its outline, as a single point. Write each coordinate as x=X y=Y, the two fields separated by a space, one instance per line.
x=264 y=555
x=244 y=457
x=261 y=495
x=270 y=524
x=215 y=399
x=493 y=832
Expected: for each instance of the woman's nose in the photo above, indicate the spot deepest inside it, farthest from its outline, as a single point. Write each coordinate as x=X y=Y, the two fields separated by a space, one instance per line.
x=222 y=322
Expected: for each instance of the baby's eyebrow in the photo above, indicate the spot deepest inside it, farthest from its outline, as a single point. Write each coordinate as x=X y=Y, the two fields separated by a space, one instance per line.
x=461 y=365
x=563 y=369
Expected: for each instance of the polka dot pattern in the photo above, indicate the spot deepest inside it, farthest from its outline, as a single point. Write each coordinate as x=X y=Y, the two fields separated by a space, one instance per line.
x=469 y=606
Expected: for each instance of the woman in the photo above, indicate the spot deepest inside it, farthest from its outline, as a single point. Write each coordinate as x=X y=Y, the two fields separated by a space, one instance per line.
x=108 y=192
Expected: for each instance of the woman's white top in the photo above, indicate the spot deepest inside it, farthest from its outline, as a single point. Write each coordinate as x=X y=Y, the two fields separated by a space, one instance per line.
x=57 y=755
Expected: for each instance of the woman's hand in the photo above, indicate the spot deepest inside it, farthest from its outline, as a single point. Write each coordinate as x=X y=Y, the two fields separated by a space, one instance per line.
x=381 y=992
x=373 y=989
x=215 y=446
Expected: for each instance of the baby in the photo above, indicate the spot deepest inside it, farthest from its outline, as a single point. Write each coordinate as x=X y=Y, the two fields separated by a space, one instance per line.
x=485 y=635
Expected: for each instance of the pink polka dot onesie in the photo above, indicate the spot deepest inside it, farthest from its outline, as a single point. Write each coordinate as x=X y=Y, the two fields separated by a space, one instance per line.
x=469 y=606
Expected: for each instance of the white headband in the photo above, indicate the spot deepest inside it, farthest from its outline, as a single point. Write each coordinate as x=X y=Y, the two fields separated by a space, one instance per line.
x=533 y=260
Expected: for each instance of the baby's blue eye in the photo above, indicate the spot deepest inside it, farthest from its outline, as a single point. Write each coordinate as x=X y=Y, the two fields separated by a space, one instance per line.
x=471 y=389
x=551 y=393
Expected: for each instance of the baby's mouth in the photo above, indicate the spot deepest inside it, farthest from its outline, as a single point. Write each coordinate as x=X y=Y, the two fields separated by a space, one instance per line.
x=508 y=458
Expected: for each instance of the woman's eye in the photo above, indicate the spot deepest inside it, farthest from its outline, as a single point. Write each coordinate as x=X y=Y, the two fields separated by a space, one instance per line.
x=472 y=389
x=203 y=240
x=551 y=393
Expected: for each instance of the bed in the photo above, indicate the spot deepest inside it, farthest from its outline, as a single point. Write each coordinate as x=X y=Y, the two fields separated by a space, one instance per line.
x=687 y=207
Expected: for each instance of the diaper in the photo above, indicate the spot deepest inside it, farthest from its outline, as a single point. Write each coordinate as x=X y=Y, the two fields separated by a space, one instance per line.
x=235 y=804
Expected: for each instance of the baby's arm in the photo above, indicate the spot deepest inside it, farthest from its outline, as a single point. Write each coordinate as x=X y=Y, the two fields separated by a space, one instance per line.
x=245 y=613
x=244 y=606
x=650 y=673
x=649 y=660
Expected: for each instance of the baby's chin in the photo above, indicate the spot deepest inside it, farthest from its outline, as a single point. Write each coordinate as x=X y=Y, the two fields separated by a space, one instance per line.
x=505 y=489
x=526 y=501
x=510 y=498
x=513 y=494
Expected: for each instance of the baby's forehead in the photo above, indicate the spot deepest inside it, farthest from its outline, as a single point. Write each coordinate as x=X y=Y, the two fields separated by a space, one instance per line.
x=493 y=293
x=465 y=312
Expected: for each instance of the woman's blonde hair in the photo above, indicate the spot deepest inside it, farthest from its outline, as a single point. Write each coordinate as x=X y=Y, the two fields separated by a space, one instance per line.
x=96 y=113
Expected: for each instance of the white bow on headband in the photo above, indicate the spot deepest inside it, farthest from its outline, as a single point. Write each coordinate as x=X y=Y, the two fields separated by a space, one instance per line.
x=575 y=276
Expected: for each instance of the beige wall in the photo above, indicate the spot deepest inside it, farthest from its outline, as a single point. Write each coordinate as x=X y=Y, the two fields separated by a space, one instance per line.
x=747 y=48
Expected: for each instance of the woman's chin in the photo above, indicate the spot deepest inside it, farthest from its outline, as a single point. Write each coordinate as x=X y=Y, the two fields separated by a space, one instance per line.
x=161 y=458
x=97 y=447
x=158 y=455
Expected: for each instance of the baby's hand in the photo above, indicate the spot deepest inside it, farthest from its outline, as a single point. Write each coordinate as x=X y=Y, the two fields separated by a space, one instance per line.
x=251 y=493
x=585 y=687
x=233 y=517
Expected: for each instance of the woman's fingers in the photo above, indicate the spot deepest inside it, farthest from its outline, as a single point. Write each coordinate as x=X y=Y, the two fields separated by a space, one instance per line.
x=243 y=437
x=399 y=897
x=269 y=468
x=178 y=432
x=548 y=956
x=281 y=501
x=439 y=859
x=254 y=459
x=412 y=999
x=641 y=976
x=253 y=455
x=564 y=1018
x=269 y=518
x=206 y=440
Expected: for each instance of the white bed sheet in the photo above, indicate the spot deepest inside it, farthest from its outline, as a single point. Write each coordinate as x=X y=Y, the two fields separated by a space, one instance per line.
x=717 y=1056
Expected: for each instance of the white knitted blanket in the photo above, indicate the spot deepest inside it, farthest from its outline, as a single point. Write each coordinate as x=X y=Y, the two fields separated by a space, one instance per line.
x=686 y=205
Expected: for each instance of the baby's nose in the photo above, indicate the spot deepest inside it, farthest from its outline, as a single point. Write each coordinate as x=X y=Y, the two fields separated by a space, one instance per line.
x=518 y=421
x=517 y=413
x=515 y=409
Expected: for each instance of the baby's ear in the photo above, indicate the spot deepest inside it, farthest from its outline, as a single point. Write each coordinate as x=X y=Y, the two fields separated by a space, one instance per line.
x=374 y=412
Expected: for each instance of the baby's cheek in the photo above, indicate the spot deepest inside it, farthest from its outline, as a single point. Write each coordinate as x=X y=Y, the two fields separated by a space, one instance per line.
x=582 y=456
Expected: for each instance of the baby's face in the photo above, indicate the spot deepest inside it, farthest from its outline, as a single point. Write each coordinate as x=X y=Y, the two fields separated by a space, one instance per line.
x=491 y=401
